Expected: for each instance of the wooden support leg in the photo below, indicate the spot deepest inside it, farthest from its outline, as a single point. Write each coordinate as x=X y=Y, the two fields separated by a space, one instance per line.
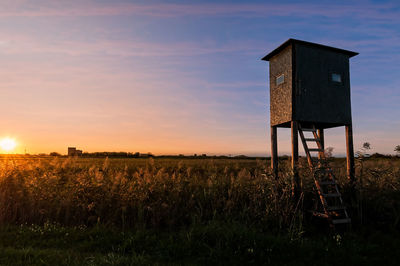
x=295 y=158
x=350 y=154
x=274 y=152
x=322 y=141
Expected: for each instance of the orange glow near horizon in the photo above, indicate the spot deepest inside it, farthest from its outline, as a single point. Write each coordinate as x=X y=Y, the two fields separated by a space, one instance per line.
x=8 y=144
x=180 y=78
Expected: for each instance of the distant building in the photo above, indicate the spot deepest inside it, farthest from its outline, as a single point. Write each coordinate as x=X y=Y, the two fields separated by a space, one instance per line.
x=72 y=151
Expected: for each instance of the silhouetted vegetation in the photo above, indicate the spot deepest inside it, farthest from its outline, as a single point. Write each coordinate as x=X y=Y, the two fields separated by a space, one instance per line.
x=193 y=210
x=397 y=150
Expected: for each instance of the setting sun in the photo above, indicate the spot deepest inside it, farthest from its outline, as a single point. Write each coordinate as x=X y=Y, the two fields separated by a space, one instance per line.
x=8 y=144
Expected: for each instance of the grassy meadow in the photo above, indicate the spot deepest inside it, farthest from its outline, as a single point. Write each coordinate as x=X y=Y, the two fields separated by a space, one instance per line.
x=86 y=211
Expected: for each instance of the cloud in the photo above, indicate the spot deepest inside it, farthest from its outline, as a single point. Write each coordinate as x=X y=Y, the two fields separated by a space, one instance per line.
x=189 y=90
x=18 y=43
x=382 y=12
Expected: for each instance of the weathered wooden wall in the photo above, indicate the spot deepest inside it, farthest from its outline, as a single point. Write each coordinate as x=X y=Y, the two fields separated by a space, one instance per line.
x=281 y=95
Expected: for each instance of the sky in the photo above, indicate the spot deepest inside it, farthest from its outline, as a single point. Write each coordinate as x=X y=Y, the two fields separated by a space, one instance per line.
x=172 y=77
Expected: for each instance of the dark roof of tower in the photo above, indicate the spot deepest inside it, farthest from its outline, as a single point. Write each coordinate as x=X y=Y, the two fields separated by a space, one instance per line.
x=293 y=41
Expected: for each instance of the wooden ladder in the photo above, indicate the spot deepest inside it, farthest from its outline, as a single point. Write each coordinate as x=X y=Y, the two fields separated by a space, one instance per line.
x=333 y=207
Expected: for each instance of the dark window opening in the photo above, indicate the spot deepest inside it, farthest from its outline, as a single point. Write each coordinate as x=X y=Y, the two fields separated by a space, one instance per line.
x=336 y=77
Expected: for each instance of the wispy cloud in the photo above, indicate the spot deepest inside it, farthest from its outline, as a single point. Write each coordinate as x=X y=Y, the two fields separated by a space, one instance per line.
x=382 y=12
x=178 y=77
x=14 y=43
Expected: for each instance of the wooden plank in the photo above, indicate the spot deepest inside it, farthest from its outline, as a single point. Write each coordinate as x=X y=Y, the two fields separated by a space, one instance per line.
x=308 y=129
x=311 y=139
x=318 y=150
x=320 y=214
x=350 y=154
x=321 y=138
x=295 y=159
x=309 y=159
x=321 y=154
x=321 y=142
x=274 y=151
x=322 y=198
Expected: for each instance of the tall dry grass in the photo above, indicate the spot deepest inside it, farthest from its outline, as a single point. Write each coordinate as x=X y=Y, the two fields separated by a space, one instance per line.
x=159 y=194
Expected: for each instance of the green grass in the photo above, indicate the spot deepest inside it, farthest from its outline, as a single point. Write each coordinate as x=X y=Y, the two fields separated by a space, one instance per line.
x=214 y=243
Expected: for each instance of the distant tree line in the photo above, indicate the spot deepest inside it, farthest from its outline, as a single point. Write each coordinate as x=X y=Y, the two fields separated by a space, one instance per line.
x=205 y=156
x=363 y=152
x=117 y=154
x=148 y=155
x=110 y=154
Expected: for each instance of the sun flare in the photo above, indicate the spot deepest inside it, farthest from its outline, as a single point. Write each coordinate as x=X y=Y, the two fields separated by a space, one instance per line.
x=8 y=144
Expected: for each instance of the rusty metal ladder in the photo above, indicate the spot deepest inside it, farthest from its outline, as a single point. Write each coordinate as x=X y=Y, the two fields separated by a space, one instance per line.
x=332 y=203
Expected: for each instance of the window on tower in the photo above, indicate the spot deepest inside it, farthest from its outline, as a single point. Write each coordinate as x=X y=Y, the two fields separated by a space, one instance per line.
x=336 y=77
x=280 y=79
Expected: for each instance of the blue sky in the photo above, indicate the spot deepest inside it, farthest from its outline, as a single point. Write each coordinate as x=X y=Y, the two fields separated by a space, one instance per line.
x=182 y=76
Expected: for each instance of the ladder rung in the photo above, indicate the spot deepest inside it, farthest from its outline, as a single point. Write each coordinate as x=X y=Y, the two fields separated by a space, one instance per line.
x=320 y=214
x=311 y=139
x=319 y=150
x=341 y=221
x=330 y=182
x=334 y=208
x=309 y=129
x=331 y=195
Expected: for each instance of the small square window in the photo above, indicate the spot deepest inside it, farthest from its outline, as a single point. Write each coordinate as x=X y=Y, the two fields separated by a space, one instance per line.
x=336 y=77
x=280 y=79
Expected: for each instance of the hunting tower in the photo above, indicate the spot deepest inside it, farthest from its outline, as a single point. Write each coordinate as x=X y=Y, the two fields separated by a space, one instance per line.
x=310 y=91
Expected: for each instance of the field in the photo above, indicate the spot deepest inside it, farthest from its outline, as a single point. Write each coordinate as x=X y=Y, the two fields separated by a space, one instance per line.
x=81 y=211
